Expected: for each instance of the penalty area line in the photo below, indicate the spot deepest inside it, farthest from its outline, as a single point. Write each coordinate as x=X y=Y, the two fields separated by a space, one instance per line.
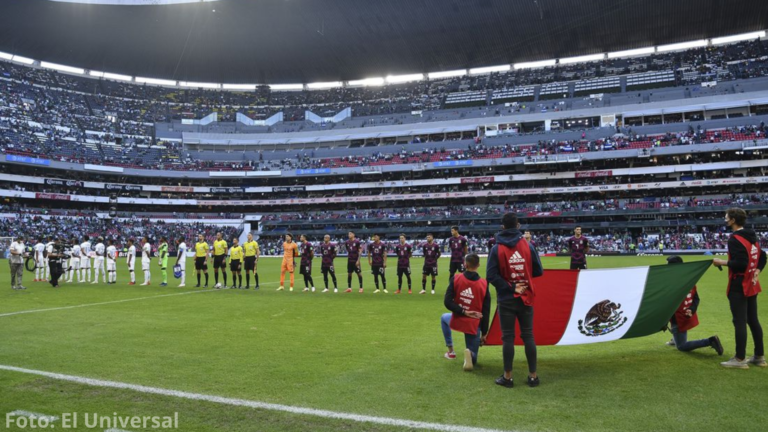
x=387 y=421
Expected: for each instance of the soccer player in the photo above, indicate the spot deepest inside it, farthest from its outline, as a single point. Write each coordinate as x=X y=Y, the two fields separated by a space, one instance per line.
x=579 y=247
x=458 y=246
x=39 y=261
x=377 y=259
x=353 y=261
x=74 y=266
x=162 y=253
x=219 y=259
x=85 y=259
x=252 y=254
x=181 y=259
x=404 y=252
x=146 y=260
x=111 y=262
x=98 y=262
x=131 y=261
x=290 y=251
x=328 y=251
x=431 y=252
x=236 y=263
x=307 y=253
x=48 y=250
x=202 y=252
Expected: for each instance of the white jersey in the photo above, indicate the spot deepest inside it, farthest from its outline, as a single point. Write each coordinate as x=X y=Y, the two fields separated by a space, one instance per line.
x=182 y=252
x=76 y=251
x=146 y=251
x=48 y=248
x=39 y=249
x=86 y=249
x=131 y=257
x=99 y=250
x=111 y=253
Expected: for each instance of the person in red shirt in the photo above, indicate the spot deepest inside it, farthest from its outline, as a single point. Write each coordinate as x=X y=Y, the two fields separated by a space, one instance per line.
x=469 y=301
x=685 y=318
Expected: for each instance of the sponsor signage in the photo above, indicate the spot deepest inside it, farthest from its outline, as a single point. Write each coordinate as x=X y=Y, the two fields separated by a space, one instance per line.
x=477 y=180
x=313 y=171
x=176 y=189
x=587 y=174
x=27 y=160
x=53 y=196
x=453 y=163
x=289 y=189
x=69 y=183
x=122 y=187
x=226 y=189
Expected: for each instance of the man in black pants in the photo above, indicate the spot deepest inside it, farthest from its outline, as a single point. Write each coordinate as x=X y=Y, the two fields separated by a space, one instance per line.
x=512 y=265
x=745 y=262
x=54 y=262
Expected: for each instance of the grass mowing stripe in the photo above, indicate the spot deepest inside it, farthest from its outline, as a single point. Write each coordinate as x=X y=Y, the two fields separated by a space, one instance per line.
x=103 y=303
x=251 y=404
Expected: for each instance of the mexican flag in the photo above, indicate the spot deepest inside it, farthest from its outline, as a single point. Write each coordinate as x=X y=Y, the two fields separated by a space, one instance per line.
x=579 y=307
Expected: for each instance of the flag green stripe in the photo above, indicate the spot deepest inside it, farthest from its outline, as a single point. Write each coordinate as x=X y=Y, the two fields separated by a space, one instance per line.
x=665 y=288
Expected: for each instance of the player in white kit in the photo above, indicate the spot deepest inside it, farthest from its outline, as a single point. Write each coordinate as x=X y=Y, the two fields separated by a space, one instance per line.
x=131 y=261
x=98 y=262
x=181 y=259
x=111 y=262
x=146 y=260
x=85 y=260
x=39 y=261
x=74 y=262
x=48 y=249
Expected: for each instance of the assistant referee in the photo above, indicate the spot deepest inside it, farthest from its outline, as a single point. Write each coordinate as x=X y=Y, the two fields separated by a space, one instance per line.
x=202 y=251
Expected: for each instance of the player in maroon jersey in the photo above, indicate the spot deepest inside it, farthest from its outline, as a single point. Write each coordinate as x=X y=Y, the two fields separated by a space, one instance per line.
x=404 y=252
x=353 y=261
x=377 y=259
x=431 y=253
x=579 y=247
x=458 y=247
x=328 y=252
x=307 y=253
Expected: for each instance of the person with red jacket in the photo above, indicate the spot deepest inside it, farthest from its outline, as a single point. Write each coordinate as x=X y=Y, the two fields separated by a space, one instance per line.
x=512 y=265
x=685 y=318
x=469 y=301
x=745 y=262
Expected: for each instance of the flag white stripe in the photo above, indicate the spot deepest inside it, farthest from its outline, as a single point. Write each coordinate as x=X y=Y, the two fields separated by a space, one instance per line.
x=624 y=287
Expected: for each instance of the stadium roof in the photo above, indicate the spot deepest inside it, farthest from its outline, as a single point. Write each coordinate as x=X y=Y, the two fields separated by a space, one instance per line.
x=302 y=41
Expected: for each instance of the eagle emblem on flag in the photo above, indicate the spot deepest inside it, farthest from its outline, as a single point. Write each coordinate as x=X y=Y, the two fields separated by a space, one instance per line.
x=603 y=318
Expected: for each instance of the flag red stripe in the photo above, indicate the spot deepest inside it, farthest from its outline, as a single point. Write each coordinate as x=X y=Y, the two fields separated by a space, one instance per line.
x=555 y=291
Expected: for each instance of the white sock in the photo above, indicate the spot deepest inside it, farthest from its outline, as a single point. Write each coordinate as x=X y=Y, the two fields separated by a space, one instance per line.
x=146 y=276
x=183 y=277
x=133 y=276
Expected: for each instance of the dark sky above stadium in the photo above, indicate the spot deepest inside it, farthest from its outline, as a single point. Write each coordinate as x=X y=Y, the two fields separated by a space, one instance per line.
x=290 y=41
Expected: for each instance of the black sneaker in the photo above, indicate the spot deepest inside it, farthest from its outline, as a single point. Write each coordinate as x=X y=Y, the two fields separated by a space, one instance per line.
x=714 y=342
x=508 y=383
x=247 y=287
x=533 y=382
x=205 y=286
x=256 y=287
x=197 y=286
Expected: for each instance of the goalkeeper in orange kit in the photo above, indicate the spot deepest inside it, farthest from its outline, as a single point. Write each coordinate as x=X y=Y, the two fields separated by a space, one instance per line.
x=290 y=251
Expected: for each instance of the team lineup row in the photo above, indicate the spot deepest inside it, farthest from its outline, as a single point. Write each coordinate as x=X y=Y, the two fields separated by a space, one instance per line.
x=73 y=261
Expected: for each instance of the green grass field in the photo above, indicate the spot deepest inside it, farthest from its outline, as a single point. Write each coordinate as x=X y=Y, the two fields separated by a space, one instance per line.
x=376 y=355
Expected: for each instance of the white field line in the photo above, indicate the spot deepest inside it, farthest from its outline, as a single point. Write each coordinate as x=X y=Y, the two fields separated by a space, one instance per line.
x=387 y=421
x=112 y=302
x=22 y=413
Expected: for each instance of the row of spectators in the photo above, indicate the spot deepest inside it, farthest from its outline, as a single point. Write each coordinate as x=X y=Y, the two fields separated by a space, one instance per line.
x=143 y=103
x=119 y=230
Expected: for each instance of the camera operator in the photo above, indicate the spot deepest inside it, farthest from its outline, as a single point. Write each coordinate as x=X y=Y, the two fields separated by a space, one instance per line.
x=55 y=257
x=16 y=260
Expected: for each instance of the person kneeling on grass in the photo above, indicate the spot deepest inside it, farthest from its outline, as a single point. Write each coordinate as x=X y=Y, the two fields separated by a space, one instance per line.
x=685 y=318
x=469 y=301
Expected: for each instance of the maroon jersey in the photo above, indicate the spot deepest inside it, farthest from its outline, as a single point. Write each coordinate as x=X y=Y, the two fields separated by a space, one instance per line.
x=353 y=250
x=329 y=253
x=378 y=253
x=457 y=245
x=578 y=247
x=404 y=253
x=306 y=253
x=431 y=254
